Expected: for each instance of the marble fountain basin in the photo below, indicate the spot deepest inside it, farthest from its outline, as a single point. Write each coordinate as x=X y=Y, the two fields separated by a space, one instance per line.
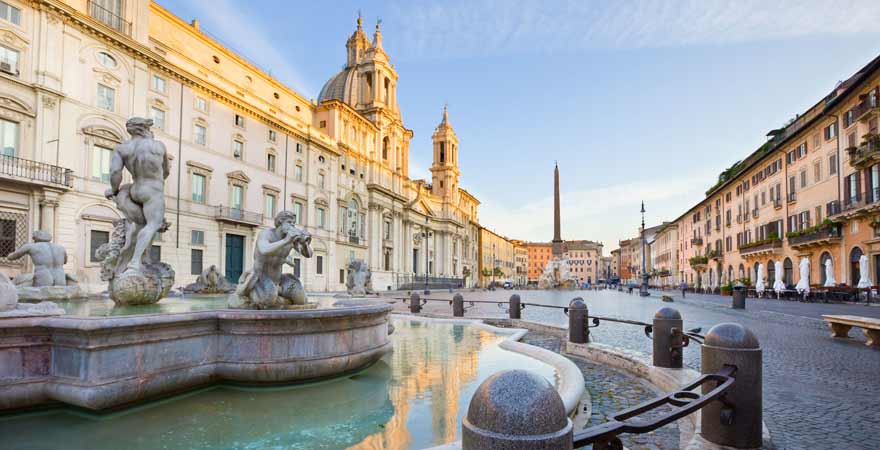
x=99 y=363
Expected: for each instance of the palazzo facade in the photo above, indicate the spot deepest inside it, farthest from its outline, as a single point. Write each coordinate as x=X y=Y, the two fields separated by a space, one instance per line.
x=243 y=147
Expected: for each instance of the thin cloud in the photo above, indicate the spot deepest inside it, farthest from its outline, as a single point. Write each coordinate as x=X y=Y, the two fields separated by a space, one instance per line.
x=489 y=27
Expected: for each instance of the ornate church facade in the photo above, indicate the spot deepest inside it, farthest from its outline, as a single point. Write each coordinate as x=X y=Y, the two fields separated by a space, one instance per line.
x=243 y=147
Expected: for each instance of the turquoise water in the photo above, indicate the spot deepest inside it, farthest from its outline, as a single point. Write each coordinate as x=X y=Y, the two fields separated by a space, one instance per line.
x=414 y=398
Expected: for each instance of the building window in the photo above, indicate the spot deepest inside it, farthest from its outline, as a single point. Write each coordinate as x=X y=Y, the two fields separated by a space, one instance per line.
x=322 y=124
x=101 y=157
x=270 y=205
x=158 y=117
x=239 y=121
x=10 y=13
x=9 y=137
x=387 y=259
x=298 y=172
x=155 y=253
x=195 y=261
x=298 y=212
x=321 y=180
x=270 y=162
x=106 y=60
x=197 y=237
x=200 y=134
x=321 y=213
x=803 y=178
x=817 y=171
x=319 y=265
x=832 y=164
x=237 y=149
x=158 y=84
x=273 y=136
x=341 y=276
x=106 y=97
x=198 y=188
x=299 y=147
x=202 y=104
x=97 y=239
x=237 y=197
x=831 y=131
x=387 y=230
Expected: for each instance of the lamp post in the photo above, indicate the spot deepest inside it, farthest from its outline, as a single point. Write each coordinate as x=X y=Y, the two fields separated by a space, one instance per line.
x=426 y=234
x=643 y=290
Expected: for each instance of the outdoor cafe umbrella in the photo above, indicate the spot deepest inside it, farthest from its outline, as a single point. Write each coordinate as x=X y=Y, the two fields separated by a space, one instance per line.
x=759 y=285
x=778 y=285
x=803 y=286
x=864 y=276
x=829 y=273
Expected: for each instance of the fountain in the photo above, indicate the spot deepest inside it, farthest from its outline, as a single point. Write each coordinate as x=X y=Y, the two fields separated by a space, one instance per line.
x=557 y=275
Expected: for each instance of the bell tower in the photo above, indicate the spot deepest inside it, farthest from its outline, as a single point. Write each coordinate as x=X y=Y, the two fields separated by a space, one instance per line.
x=444 y=170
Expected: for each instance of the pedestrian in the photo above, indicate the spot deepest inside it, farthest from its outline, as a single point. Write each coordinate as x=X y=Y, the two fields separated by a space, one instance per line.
x=683 y=288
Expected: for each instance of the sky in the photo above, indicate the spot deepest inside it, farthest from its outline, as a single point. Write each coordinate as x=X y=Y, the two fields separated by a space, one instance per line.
x=637 y=100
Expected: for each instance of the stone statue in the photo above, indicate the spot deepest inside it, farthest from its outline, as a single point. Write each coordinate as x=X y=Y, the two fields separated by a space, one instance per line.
x=48 y=280
x=264 y=286
x=210 y=282
x=359 y=280
x=9 y=306
x=133 y=278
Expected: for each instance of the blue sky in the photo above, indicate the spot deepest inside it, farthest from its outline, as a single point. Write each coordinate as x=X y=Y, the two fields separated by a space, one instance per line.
x=637 y=100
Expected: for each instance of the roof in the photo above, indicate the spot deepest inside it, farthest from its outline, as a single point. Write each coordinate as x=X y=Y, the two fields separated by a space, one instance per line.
x=335 y=87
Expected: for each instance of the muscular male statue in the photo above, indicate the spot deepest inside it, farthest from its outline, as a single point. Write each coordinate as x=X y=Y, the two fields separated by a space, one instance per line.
x=143 y=201
x=265 y=286
x=48 y=259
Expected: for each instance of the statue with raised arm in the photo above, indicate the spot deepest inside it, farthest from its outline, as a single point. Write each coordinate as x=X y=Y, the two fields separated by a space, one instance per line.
x=265 y=286
x=48 y=280
x=133 y=277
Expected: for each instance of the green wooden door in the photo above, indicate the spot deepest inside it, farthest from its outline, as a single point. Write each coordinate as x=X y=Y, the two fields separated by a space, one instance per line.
x=234 y=257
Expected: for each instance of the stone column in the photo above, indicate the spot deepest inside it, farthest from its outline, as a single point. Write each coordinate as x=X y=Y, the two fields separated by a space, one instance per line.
x=48 y=205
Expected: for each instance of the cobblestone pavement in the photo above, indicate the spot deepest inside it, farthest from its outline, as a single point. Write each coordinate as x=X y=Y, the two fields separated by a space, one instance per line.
x=611 y=391
x=819 y=392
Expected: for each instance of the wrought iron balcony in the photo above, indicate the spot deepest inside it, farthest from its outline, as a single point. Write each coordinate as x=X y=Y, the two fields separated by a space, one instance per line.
x=792 y=197
x=109 y=18
x=760 y=247
x=20 y=169
x=697 y=241
x=869 y=104
x=351 y=238
x=815 y=236
x=239 y=216
x=867 y=154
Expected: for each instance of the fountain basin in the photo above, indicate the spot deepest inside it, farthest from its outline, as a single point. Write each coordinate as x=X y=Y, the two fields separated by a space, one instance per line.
x=99 y=363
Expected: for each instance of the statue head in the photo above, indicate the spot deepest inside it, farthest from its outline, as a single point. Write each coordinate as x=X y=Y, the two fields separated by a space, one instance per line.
x=138 y=126
x=285 y=217
x=42 y=236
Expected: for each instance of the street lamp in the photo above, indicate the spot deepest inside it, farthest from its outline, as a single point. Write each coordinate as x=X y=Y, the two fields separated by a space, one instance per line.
x=643 y=290
x=426 y=234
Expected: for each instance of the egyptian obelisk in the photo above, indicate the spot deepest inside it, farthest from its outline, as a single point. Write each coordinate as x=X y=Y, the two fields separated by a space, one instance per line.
x=557 y=233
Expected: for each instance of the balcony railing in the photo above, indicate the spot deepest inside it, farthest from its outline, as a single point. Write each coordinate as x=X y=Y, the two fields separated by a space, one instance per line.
x=755 y=213
x=228 y=214
x=351 y=238
x=777 y=203
x=815 y=236
x=866 y=154
x=109 y=18
x=697 y=241
x=9 y=66
x=760 y=246
x=868 y=104
x=792 y=197
x=11 y=166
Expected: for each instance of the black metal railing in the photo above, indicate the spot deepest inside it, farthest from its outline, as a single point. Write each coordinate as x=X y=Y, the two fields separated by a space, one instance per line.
x=413 y=281
x=830 y=231
x=36 y=171
x=110 y=18
x=238 y=215
x=832 y=208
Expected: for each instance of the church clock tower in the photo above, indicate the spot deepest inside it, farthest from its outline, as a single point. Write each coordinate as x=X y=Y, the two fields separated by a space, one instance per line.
x=444 y=170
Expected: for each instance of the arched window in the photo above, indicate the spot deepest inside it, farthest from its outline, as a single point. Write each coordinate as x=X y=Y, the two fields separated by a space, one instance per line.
x=787 y=276
x=385 y=148
x=825 y=257
x=755 y=273
x=730 y=274
x=771 y=272
x=855 y=256
x=352 y=219
x=442 y=152
x=742 y=271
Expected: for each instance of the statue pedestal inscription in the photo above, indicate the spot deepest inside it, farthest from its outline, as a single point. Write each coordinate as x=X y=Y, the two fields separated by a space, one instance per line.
x=135 y=279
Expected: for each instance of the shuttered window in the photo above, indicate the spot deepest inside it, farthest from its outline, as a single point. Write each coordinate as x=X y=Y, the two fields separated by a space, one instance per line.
x=195 y=261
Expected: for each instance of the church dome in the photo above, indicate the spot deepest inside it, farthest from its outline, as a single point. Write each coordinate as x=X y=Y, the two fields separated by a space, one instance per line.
x=339 y=86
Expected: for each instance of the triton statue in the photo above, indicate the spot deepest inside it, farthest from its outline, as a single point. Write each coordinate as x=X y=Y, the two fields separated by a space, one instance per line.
x=133 y=278
x=360 y=278
x=264 y=286
x=210 y=282
x=48 y=280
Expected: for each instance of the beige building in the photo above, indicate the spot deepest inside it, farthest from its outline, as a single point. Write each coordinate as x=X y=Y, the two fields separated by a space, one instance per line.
x=584 y=259
x=664 y=256
x=810 y=192
x=243 y=147
x=497 y=258
x=521 y=263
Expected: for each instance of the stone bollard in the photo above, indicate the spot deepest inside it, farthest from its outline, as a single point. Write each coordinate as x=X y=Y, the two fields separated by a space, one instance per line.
x=415 y=303
x=668 y=338
x=514 y=307
x=516 y=409
x=739 y=296
x=578 y=320
x=733 y=344
x=458 y=305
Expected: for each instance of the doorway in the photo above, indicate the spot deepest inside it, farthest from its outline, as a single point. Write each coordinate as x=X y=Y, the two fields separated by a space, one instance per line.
x=234 y=257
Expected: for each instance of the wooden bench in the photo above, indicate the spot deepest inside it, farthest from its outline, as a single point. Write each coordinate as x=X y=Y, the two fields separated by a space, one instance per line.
x=840 y=326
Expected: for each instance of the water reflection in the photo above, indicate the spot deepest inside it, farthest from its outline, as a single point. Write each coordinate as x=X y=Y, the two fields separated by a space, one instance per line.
x=414 y=398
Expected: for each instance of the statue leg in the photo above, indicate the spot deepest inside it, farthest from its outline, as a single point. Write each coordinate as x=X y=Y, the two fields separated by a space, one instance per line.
x=154 y=213
x=292 y=290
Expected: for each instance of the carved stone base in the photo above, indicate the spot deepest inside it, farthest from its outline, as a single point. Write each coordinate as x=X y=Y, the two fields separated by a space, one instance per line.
x=236 y=301
x=34 y=310
x=48 y=293
x=148 y=286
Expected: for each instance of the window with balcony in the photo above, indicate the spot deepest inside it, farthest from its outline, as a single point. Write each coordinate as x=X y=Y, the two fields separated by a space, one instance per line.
x=110 y=13
x=198 y=188
x=236 y=197
x=106 y=97
x=10 y=13
x=9 y=60
x=101 y=157
x=200 y=134
x=852 y=186
x=9 y=137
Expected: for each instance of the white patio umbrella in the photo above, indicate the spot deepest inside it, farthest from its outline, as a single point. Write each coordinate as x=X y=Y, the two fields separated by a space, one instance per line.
x=864 y=276
x=778 y=285
x=803 y=286
x=829 y=273
x=759 y=284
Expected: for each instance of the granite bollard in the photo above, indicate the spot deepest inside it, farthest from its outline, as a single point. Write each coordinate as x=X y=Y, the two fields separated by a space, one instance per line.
x=668 y=338
x=578 y=321
x=515 y=307
x=458 y=305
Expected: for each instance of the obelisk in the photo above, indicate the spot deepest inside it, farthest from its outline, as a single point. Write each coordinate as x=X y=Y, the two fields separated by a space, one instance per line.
x=557 y=233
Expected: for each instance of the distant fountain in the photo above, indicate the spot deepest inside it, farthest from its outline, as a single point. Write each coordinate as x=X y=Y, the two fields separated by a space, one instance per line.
x=557 y=275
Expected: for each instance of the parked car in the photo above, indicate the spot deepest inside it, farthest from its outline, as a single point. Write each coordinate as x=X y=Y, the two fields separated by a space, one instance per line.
x=507 y=285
